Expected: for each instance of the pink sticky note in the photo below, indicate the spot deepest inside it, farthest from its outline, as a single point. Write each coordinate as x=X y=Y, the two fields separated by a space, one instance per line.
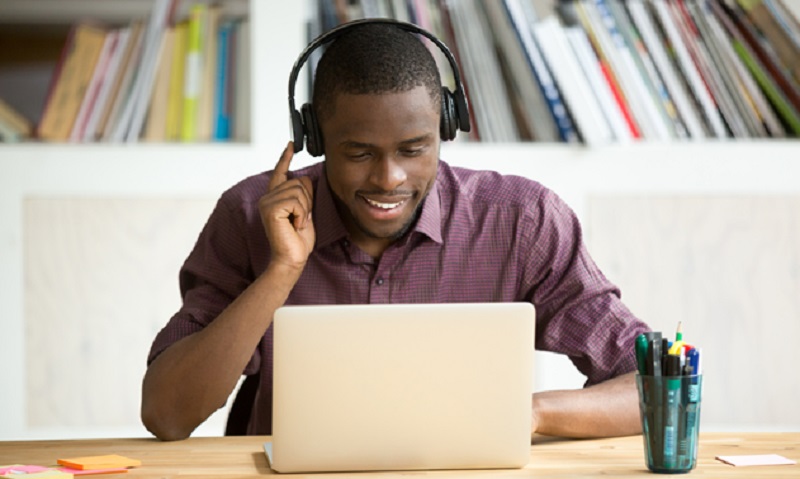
x=21 y=469
x=86 y=472
x=757 y=460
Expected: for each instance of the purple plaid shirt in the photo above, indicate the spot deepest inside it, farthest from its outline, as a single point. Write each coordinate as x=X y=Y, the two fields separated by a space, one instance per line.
x=480 y=237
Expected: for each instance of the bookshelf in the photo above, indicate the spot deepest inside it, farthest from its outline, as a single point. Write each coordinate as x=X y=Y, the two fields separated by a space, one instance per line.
x=138 y=173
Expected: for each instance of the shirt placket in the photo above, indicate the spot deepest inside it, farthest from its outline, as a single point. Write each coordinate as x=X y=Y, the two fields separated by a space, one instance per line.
x=380 y=290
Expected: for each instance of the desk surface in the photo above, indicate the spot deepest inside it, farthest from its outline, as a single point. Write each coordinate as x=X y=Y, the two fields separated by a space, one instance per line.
x=243 y=457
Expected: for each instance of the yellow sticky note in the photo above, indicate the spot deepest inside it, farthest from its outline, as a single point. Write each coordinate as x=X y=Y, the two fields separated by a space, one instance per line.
x=110 y=461
x=25 y=472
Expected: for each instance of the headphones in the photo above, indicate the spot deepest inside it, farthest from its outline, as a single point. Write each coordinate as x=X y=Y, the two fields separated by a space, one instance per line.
x=455 y=114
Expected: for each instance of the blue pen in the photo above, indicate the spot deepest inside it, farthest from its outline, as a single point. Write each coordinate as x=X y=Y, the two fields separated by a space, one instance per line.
x=693 y=397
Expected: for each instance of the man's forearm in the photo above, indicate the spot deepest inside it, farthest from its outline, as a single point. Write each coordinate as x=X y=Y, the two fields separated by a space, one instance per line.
x=193 y=378
x=607 y=409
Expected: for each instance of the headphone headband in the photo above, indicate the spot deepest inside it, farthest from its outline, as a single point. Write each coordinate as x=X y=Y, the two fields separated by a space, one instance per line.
x=459 y=96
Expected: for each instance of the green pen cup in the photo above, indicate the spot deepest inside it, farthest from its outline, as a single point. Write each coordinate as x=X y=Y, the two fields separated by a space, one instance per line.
x=669 y=408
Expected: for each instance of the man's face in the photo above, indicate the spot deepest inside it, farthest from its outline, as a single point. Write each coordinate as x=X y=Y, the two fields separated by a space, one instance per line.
x=382 y=153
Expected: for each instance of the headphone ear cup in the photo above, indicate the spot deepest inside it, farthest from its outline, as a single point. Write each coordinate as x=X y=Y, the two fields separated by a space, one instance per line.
x=298 y=135
x=449 y=122
x=313 y=134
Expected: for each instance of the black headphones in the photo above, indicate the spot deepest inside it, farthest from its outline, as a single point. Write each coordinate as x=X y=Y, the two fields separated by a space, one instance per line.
x=455 y=114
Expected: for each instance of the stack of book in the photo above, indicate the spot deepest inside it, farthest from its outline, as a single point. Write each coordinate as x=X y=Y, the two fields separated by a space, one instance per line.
x=156 y=79
x=603 y=71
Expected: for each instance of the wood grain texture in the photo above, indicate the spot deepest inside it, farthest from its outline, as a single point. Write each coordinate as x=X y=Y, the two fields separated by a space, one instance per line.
x=243 y=457
x=728 y=267
x=101 y=279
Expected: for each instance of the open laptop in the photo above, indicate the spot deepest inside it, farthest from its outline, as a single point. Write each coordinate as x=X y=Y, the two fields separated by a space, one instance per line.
x=402 y=387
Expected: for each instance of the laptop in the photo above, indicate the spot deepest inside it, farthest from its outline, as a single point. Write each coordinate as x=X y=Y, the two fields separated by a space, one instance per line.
x=402 y=387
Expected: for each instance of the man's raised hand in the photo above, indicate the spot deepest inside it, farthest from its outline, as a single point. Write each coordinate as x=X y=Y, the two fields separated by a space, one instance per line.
x=286 y=213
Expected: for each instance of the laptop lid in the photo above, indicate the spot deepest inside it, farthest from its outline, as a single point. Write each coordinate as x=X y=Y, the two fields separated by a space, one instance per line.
x=401 y=387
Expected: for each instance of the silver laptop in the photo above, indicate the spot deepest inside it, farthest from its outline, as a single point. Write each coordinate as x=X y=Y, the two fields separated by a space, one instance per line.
x=402 y=387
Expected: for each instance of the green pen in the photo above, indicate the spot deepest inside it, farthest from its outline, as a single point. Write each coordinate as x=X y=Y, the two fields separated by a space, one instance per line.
x=641 y=353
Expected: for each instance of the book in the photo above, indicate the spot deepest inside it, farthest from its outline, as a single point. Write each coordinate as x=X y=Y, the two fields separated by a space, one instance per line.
x=647 y=69
x=709 y=72
x=493 y=114
x=156 y=123
x=14 y=123
x=193 y=72
x=176 y=78
x=121 y=88
x=131 y=123
x=523 y=17
x=785 y=110
x=241 y=93
x=669 y=74
x=533 y=115
x=689 y=69
x=779 y=40
x=571 y=80
x=746 y=32
x=93 y=88
x=716 y=42
x=224 y=80
x=607 y=71
x=601 y=88
x=111 y=78
x=722 y=20
x=208 y=83
x=82 y=49
x=642 y=104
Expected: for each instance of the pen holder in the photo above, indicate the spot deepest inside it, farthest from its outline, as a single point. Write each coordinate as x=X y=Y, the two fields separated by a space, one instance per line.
x=669 y=407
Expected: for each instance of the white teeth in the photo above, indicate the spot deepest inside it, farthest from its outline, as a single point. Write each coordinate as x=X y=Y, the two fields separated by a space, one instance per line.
x=383 y=206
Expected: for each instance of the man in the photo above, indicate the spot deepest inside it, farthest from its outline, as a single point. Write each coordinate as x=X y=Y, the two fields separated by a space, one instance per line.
x=384 y=220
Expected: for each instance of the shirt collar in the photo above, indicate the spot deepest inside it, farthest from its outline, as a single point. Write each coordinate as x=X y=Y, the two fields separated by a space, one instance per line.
x=330 y=228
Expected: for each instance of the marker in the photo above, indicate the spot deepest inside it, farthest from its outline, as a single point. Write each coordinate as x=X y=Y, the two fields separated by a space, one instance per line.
x=672 y=409
x=641 y=353
x=692 y=398
x=654 y=358
x=655 y=397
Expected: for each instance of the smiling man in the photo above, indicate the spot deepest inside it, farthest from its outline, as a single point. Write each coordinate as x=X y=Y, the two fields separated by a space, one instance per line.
x=381 y=220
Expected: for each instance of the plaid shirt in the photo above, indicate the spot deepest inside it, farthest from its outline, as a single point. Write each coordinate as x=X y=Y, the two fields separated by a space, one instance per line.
x=480 y=237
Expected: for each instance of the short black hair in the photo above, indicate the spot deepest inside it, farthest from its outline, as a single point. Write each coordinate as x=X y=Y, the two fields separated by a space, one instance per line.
x=374 y=59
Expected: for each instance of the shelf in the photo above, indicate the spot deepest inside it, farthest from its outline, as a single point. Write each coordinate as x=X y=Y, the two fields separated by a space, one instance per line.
x=67 y=12
x=723 y=167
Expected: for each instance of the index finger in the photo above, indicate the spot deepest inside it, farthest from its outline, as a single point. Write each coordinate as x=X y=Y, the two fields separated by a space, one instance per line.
x=279 y=175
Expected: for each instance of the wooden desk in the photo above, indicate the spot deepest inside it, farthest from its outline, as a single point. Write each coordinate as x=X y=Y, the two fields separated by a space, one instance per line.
x=243 y=457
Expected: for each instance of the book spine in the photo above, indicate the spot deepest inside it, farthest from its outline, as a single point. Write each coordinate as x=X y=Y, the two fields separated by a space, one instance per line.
x=175 y=100
x=523 y=17
x=222 y=97
x=193 y=73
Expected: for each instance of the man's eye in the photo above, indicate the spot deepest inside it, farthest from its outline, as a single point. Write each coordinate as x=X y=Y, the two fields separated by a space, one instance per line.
x=361 y=155
x=412 y=151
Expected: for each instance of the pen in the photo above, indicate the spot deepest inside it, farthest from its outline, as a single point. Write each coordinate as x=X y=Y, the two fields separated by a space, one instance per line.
x=655 y=399
x=654 y=358
x=672 y=409
x=641 y=353
x=693 y=397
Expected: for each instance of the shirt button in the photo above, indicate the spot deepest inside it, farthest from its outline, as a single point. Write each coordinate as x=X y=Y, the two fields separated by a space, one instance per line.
x=379 y=281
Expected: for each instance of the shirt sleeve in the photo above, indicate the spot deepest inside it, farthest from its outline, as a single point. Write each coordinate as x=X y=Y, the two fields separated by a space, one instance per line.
x=579 y=311
x=216 y=271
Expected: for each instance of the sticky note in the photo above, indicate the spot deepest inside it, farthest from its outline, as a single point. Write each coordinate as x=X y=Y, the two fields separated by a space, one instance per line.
x=756 y=460
x=87 y=472
x=111 y=461
x=19 y=471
